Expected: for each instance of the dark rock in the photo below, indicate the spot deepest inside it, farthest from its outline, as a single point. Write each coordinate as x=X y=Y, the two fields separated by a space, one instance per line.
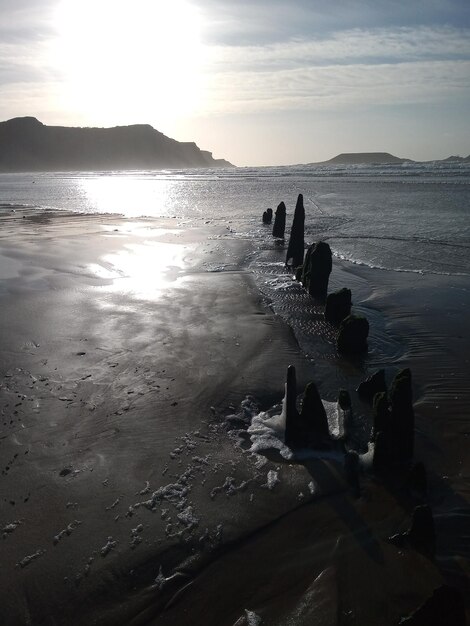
x=267 y=216
x=372 y=385
x=299 y=272
x=310 y=426
x=381 y=414
x=317 y=269
x=313 y=415
x=401 y=401
x=292 y=432
x=338 y=303
x=344 y=408
x=353 y=333
x=394 y=420
x=381 y=458
x=295 y=249
x=445 y=607
x=344 y=399
x=351 y=468
x=291 y=392
x=421 y=535
x=280 y=221
x=417 y=479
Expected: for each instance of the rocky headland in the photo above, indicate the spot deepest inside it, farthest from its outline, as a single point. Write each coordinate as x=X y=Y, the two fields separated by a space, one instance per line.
x=26 y=145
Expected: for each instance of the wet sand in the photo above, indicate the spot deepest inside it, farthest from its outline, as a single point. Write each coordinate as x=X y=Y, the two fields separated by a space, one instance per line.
x=125 y=500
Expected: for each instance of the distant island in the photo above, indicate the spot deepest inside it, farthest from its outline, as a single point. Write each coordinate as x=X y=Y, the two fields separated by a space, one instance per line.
x=27 y=145
x=377 y=158
x=353 y=158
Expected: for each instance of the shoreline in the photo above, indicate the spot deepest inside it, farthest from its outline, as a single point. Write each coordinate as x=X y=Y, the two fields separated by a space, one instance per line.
x=136 y=340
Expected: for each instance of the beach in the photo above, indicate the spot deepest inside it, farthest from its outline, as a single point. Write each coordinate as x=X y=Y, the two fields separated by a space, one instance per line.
x=129 y=348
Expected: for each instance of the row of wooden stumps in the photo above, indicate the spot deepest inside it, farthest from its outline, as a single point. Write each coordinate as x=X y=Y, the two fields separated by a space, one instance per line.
x=393 y=420
x=279 y=220
x=393 y=439
x=313 y=271
x=309 y=426
x=393 y=414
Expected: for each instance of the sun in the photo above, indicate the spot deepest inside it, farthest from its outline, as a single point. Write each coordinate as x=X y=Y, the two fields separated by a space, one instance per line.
x=121 y=60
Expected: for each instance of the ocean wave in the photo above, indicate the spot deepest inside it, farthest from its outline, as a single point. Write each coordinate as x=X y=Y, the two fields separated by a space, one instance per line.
x=415 y=254
x=13 y=206
x=390 y=268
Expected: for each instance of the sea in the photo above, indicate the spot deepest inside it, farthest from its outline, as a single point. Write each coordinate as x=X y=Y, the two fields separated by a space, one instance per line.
x=412 y=217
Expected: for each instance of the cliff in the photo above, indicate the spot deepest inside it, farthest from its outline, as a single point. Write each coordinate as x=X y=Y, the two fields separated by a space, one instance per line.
x=28 y=145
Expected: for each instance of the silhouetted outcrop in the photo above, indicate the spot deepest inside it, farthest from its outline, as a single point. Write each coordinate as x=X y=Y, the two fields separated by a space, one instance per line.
x=417 y=479
x=28 y=145
x=344 y=408
x=313 y=416
x=344 y=399
x=401 y=402
x=267 y=216
x=353 y=333
x=421 y=535
x=364 y=158
x=377 y=158
x=382 y=415
x=280 y=221
x=316 y=269
x=445 y=607
x=372 y=385
x=351 y=468
x=291 y=436
x=295 y=249
x=381 y=457
x=310 y=426
x=394 y=423
x=455 y=159
x=338 y=304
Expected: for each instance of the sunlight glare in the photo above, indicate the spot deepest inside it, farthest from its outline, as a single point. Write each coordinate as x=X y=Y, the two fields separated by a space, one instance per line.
x=124 y=61
x=126 y=194
x=143 y=270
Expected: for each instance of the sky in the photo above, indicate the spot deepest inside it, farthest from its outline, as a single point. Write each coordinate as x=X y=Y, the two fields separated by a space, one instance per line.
x=257 y=82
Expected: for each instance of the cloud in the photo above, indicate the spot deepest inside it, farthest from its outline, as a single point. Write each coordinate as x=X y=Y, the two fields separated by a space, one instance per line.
x=23 y=63
x=20 y=99
x=337 y=86
x=378 y=66
x=345 y=47
x=25 y=21
x=235 y=22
